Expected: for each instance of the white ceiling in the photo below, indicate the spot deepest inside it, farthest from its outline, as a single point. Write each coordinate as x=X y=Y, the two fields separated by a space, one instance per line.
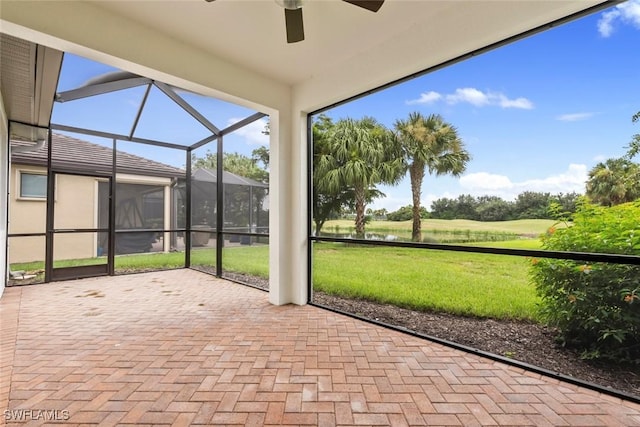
x=252 y=33
x=347 y=50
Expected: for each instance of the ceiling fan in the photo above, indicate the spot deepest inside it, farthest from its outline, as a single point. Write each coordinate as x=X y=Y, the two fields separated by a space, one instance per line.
x=293 y=15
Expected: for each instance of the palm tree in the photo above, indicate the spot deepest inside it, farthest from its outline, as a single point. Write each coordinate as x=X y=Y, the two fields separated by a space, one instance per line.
x=633 y=149
x=428 y=144
x=613 y=182
x=359 y=154
x=326 y=204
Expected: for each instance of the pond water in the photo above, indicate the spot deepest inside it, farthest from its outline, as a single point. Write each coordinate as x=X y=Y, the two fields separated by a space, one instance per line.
x=428 y=236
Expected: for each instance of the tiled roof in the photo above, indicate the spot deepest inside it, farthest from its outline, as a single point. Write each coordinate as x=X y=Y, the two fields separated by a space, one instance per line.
x=72 y=154
x=209 y=175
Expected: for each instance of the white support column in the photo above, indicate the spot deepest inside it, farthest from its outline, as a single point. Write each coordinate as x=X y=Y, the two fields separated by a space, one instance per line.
x=288 y=210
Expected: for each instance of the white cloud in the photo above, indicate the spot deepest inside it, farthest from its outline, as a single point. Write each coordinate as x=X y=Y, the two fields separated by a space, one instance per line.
x=521 y=102
x=468 y=94
x=627 y=13
x=605 y=23
x=426 y=98
x=474 y=97
x=484 y=183
x=252 y=132
x=574 y=117
x=390 y=203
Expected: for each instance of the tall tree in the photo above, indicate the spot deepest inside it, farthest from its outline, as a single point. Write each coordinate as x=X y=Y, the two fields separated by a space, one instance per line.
x=359 y=154
x=532 y=205
x=634 y=146
x=493 y=208
x=237 y=163
x=261 y=155
x=428 y=144
x=617 y=180
x=326 y=204
x=614 y=181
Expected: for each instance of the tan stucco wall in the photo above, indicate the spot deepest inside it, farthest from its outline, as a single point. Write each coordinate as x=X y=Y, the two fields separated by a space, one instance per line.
x=25 y=216
x=76 y=204
x=75 y=208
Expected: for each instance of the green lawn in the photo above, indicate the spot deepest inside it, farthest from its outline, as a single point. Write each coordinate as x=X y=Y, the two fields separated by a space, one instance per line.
x=519 y=226
x=482 y=285
x=511 y=244
x=240 y=258
x=160 y=260
x=252 y=260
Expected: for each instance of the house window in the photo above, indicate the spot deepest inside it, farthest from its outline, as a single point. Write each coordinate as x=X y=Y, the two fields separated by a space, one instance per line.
x=33 y=186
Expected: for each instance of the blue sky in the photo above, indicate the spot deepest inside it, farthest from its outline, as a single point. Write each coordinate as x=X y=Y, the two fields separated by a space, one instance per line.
x=535 y=115
x=161 y=120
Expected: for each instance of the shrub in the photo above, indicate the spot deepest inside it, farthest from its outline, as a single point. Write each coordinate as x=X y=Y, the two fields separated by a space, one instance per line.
x=405 y=213
x=594 y=306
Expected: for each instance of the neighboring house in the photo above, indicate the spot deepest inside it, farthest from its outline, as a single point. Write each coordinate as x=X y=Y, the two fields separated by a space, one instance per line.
x=144 y=199
x=246 y=201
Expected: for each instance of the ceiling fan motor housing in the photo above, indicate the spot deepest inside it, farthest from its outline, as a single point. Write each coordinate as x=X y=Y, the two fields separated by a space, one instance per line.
x=293 y=15
x=290 y=4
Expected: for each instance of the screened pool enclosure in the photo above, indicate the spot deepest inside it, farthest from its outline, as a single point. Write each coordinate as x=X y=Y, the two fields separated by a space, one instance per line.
x=105 y=192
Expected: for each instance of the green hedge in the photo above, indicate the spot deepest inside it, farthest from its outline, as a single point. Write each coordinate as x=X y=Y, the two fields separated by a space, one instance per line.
x=595 y=306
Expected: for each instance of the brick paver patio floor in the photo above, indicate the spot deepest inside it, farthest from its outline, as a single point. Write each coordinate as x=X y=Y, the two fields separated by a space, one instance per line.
x=184 y=348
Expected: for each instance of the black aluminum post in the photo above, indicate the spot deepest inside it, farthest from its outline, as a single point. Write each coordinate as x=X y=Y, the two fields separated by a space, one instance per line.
x=140 y=109
x=309 y=208
x=51 y=191
x=111 y=245
x=219 y=206
x=118 y=136
x=187 y=233
x=251 y=209
x=171 y=93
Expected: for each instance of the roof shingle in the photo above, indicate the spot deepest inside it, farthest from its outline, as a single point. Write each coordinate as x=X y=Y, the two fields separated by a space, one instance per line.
x=75 y=154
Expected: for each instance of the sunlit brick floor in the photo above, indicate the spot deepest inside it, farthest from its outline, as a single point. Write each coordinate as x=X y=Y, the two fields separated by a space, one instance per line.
x=184 y=348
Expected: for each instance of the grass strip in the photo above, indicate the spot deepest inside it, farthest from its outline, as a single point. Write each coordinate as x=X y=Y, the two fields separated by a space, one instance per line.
x=482 y=285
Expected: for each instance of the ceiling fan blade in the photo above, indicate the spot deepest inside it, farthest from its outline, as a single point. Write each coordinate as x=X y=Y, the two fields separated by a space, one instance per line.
x=295 y=26
x=372 y=5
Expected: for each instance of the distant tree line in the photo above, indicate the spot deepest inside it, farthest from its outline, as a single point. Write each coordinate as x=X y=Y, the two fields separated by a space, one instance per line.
x=528 y=205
